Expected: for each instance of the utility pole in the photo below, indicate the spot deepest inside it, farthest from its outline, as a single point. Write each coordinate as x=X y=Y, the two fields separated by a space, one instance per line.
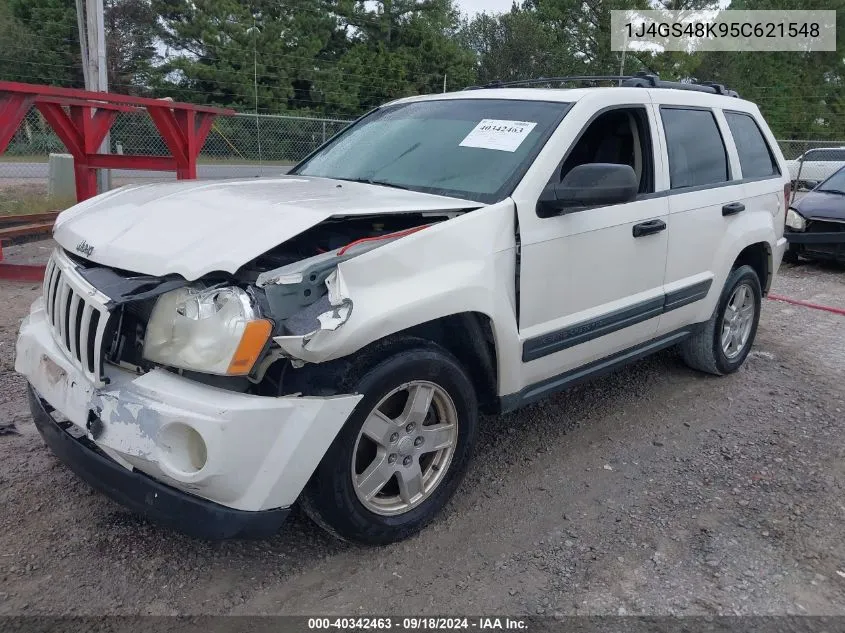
x=83 y=42
x=93 y=44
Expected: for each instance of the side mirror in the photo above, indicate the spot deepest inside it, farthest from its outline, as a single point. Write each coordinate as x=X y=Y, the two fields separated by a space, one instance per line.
x=588 y=185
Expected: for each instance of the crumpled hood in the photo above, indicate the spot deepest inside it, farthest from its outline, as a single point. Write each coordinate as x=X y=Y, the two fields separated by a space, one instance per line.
x=193 y=228
x=818 y=205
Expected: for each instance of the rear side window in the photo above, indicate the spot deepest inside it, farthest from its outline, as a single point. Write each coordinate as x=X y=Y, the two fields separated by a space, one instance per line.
x=755 y=157
x=697 y=153
x=825 y=155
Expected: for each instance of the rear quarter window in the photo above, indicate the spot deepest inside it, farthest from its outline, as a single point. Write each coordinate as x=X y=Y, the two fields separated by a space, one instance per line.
x=755 y=155
x=828 y=156
x=697 y=154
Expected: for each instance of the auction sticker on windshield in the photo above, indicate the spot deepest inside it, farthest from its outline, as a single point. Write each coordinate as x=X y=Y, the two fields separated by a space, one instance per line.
x=506 y=136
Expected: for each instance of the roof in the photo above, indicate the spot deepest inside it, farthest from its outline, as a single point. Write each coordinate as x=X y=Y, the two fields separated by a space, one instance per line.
x=572 y=95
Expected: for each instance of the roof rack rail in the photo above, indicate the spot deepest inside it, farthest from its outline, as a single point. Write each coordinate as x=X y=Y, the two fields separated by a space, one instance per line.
x=548 y=80
x=645 y=80
x=639 y=80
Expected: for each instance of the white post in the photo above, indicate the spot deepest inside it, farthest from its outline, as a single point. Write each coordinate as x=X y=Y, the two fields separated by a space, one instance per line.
x=83 y=42
x=97 y=79
x=444 y=82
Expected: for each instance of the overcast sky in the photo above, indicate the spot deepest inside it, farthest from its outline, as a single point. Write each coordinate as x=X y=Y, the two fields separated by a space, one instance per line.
x=490 y=6
x=500 y=6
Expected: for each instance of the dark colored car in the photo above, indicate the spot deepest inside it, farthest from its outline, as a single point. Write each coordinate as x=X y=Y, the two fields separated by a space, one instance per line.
x=815 y=224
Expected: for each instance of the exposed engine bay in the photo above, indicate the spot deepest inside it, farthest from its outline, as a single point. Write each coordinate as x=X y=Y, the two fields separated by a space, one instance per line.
x=290 y=286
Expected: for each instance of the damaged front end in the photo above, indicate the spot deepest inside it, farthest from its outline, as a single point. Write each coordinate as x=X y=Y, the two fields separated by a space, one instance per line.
x=182 y=389
x=296 y=294
x=228 y=330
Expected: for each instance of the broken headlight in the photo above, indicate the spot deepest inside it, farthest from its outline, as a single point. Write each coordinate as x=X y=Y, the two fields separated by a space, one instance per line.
x=795 y=221
x=215 y=330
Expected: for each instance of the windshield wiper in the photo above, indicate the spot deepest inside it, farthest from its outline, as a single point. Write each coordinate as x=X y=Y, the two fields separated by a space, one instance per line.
x=838 y=192
x=370 y=181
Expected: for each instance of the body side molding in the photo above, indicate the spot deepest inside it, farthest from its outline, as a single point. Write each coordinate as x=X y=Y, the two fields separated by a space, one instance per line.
x=541 y=389
x=558 y=340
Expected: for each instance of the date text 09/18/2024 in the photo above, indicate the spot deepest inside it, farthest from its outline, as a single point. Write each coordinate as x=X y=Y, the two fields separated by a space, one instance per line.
x=417 y=623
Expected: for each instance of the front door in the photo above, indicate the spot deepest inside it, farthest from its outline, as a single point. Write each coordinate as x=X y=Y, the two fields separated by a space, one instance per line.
x=591 y=281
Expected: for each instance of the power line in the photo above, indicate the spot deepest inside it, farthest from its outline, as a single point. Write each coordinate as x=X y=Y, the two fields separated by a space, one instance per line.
x=176 y=88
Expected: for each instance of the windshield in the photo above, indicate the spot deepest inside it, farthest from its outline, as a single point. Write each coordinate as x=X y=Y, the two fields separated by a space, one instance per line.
x=477 y=149
x=834 y=184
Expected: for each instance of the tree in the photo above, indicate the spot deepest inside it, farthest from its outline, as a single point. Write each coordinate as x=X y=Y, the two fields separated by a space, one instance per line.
x=543 y=38
x=514 y=45
x=131 y=30
x=224 y=51
x=331 y=56
x=41 y=38
x=800 y=94
x=43 y=35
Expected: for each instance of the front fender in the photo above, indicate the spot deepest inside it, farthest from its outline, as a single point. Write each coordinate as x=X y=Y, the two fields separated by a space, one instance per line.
x=466 y=264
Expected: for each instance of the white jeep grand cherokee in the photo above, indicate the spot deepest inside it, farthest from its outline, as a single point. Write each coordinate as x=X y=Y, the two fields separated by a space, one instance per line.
x=210 y=353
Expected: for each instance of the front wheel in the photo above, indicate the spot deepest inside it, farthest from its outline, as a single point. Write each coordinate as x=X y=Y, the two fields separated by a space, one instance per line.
x=722 y=345
x=403 y=451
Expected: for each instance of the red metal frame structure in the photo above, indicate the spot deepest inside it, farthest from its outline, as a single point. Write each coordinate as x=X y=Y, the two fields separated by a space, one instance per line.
x=88 y=118
x=81 y=119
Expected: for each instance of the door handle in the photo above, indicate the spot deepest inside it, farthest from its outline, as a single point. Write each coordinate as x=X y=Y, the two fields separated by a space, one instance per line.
x=733 y=208
x=647 y=228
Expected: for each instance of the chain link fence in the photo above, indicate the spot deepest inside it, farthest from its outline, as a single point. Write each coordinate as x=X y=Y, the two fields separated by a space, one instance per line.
x=240 y=140
x=810 y=162
x=250 y=145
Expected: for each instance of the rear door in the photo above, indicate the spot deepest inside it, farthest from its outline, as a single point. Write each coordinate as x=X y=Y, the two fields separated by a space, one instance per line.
x=763 y=178
x=706 y=193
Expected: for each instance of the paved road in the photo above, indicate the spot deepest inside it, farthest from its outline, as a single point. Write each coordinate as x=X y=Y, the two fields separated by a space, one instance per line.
x=15 y=171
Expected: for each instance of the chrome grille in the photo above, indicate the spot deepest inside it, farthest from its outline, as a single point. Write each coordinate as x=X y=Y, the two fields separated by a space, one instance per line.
x=78 y=315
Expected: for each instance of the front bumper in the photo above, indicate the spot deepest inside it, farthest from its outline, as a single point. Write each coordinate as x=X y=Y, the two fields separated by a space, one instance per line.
x=815 y=238
x=822 y=245
x=166 y=505
x=243 y=452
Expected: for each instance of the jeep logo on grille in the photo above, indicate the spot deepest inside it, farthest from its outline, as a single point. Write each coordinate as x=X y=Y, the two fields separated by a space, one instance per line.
x=85 y=248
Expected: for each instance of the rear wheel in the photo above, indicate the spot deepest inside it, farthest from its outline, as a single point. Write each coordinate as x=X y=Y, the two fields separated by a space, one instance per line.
x=403 y=451
x=722 y=345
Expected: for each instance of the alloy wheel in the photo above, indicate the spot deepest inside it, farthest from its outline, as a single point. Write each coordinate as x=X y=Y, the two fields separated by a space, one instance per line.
x=404 y=448
x=738 y=321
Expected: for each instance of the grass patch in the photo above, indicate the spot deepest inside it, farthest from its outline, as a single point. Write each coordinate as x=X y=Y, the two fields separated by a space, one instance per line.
x=11 y=204
x=39 y=158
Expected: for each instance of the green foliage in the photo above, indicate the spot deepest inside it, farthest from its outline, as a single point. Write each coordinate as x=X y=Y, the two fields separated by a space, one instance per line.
x=131 y=29
x=40 y=38
x=515 y=45
x=801 y=94
x=224 y=51
x=343 y=57
x=329 y=56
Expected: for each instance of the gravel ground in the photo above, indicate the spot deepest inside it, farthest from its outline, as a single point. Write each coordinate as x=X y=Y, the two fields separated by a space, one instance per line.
x=655 y=490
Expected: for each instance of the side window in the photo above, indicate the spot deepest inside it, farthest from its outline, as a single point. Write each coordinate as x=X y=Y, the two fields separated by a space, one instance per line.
x=755 y=157
x=697 y=154
x=620 y=136
x=833 y=155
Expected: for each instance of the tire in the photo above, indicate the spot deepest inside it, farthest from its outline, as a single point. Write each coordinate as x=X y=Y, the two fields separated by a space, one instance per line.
x=402 y=505
x=704 y=350
x=790 y=256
